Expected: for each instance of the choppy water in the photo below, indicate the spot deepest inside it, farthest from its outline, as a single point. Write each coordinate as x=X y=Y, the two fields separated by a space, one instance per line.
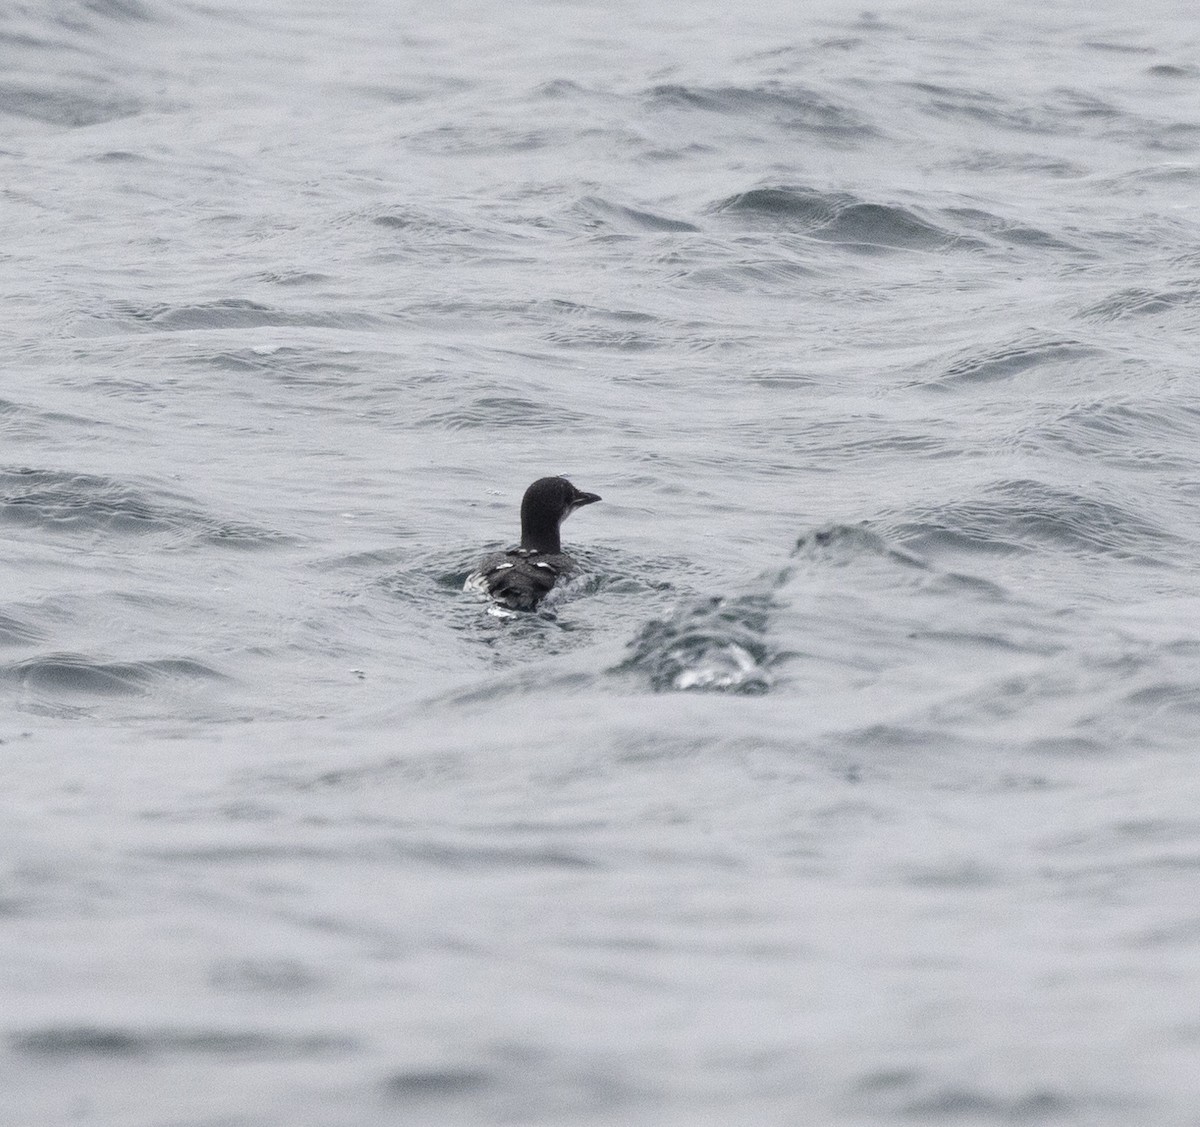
x=854 y=785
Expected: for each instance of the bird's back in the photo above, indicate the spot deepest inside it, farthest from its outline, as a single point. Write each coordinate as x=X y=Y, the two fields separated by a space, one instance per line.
x=520 y=579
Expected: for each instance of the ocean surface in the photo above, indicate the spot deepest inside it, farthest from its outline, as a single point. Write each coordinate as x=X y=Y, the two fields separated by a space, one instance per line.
x=855 y=783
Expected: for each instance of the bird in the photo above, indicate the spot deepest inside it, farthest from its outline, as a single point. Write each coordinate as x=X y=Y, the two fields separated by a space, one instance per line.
x=521 y=577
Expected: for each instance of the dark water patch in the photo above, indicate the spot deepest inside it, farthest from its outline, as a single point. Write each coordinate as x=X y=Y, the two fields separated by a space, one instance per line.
x=14 y=632
x=421 y=1084
x=86 y=502
x=1178 y=137
x=1031 y=516
x=617 y=316
x=76 y=674
x=794 y=108
x=507 y=412
x=989 y=641
x=223 y=314
x=836 y=217
x=600 y=213
x=1011 y=358
x=1180 y=699
x=870 y=746
x=1003 y=161
x=290 y=367
x=572 y=325
x=86 y=15
x=755 y=271
x=1174 y=70
x=234 y=853
x=954 y=583
x=426 y=88
x=1112 y=48
x=436 y=854
x=608 y=338
x=291 y=278
x=710 y=644
x=964 y=874
x=1139 y=302
x=906 y=1091
x=521 y=1083
x=1138 y=181
x=429 y=227
x=18 y=39
x=838 y=441
x=66 y=1041
x=477 y=140
x=983 y=108
x=1009 y=232
x=116 y=156
x=69 y=108
x=560 y=88
x=1083 y=103
x=263 y=976
x=953 y=1104
x=394 y=771
x=669 y=154
x=444 y=855
x=90 y=503
x=235 y=534
x=1183 y=933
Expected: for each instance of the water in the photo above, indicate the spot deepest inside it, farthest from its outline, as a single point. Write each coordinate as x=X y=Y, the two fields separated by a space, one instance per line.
x=855 y=782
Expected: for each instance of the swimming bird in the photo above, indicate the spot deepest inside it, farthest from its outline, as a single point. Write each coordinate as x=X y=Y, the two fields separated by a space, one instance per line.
x=521 y=577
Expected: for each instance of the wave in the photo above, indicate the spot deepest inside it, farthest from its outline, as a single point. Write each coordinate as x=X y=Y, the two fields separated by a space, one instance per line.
x=1009 y=358
x=76 y=674
x=58 y=501
x=1024 y=515
x=14 y=632
x=1139 y=302
x=92 y=34
x=599 y=212
x=836 y=216
x=1148 y=435
x=224 y=313
x=794 y=108
x=713 y=643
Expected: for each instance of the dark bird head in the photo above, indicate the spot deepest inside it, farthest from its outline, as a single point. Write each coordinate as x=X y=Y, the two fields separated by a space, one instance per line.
x=546 y=504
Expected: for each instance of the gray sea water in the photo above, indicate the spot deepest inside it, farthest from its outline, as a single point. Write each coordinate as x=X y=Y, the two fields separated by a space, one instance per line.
x=854 y=784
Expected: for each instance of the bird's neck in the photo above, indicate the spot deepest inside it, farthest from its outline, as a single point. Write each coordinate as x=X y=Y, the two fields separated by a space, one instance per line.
x=541 y=539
